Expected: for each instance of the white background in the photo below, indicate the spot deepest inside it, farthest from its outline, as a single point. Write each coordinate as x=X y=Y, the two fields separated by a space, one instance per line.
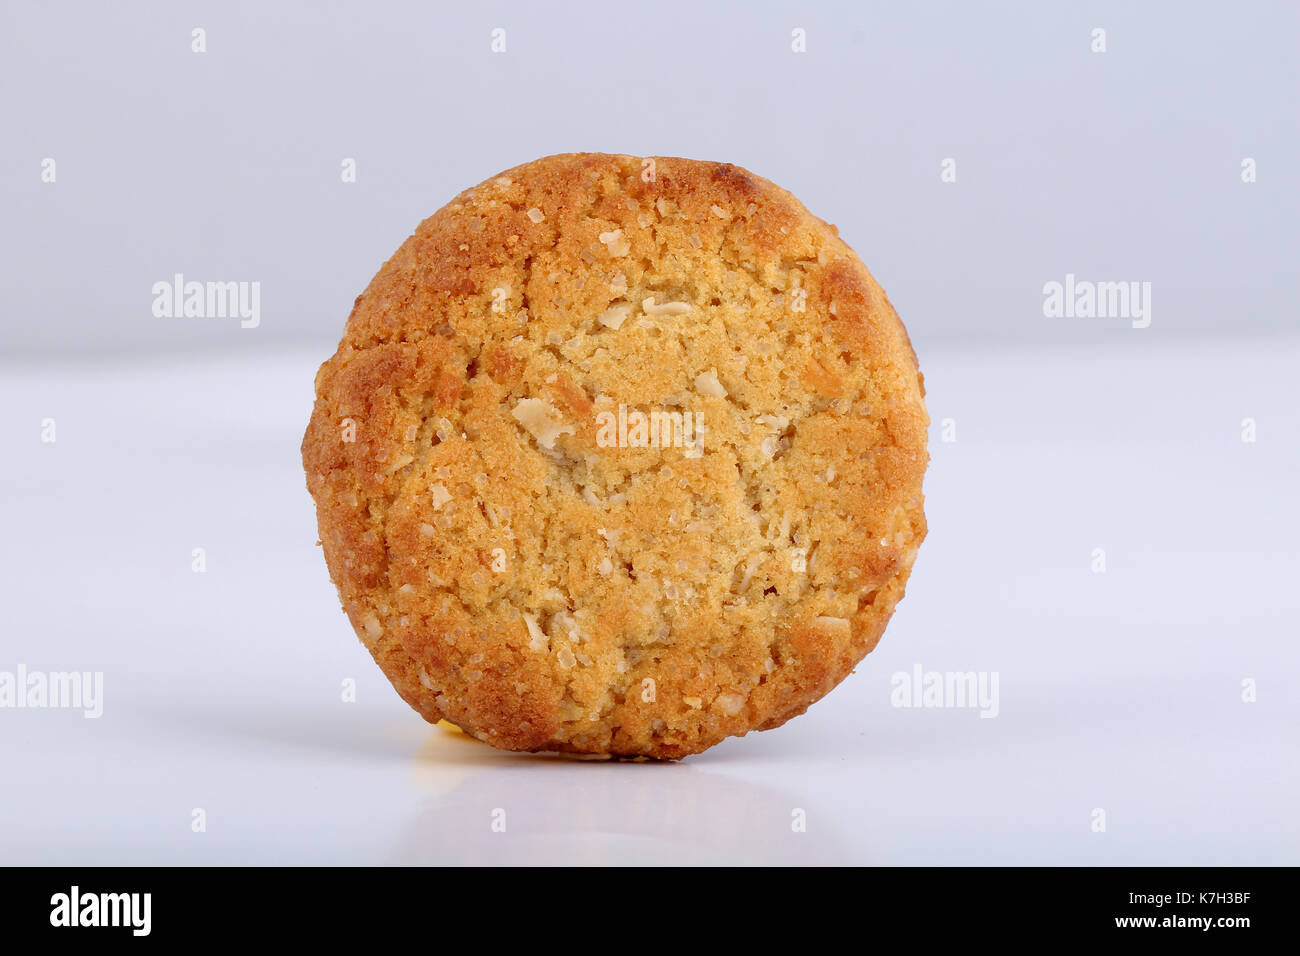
x=1119 y=691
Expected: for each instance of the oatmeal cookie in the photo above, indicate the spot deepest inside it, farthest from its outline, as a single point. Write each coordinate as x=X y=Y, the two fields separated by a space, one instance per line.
x=619 y=455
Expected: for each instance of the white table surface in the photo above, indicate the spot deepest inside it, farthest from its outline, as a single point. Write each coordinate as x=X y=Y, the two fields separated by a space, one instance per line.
x=1120 y=691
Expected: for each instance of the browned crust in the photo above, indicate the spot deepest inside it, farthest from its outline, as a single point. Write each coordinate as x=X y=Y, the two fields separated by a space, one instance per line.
x=444 y=522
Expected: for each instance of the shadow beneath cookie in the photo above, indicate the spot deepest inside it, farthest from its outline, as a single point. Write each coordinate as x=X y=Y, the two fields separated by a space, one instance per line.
x=490 y=807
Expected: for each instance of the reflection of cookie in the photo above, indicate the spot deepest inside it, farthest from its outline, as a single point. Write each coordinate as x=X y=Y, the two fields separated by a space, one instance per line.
x=619 y=455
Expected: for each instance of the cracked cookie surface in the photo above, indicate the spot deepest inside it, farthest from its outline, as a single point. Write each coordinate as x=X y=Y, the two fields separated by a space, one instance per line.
x=619 y=456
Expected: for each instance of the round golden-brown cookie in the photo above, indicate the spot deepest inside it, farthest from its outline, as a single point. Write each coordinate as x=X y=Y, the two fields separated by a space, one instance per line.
x=619 y=456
